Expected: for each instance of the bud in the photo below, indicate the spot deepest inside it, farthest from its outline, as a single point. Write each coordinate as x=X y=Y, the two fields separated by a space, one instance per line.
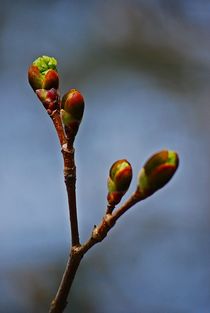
x=49 y=98
x=72 y=108
x=42 y=74
x=157 y=172
x=119 y=179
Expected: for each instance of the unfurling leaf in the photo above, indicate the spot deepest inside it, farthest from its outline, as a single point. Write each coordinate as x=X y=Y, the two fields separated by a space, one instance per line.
x=42 y=74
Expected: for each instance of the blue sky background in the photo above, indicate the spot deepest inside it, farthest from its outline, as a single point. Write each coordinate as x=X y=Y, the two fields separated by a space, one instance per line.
x=143 y=68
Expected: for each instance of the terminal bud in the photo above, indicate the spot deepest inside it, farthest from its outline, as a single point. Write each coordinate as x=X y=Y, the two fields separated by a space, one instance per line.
x=42 y=74
x=157 y=172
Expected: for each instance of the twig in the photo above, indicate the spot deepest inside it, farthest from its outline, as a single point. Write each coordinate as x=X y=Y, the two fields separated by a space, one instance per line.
x=60 y=301
x=55 y=116
x=156 y=172
x=70 y=181
x=77 y=252
x=135 y=197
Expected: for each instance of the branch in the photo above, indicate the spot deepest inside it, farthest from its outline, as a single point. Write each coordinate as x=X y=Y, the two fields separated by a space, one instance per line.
x=155 y=174
x=59 y=303
x=77 y=252
x=70 y=181
x=108 y=221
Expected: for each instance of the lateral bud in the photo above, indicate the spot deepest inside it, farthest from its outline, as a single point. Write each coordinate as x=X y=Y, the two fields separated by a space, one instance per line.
x=72 y=109
x=119 y=179
x=49 y=98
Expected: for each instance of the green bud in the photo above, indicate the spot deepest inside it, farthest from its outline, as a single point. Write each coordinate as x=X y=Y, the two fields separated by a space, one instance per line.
x=72 y=109
x=119 y=179
x=42 y=74
x=157 y=172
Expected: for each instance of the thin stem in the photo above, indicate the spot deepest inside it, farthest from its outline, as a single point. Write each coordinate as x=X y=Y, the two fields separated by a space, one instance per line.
x=55 y=116
x=72 y=213
x=69 y=174
x=135 y=197
x=100 y=232
x=60 y=301
x=70 y=181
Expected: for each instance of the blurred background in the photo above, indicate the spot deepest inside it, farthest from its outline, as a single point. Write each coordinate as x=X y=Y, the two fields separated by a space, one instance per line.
x=144 y=70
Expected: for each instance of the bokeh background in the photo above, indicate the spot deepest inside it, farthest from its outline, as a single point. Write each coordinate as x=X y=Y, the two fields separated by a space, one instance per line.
x=144 y=70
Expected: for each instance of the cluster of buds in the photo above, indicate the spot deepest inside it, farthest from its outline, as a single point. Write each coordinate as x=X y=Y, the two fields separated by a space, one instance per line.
x=154 y=175
x=43 y=78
